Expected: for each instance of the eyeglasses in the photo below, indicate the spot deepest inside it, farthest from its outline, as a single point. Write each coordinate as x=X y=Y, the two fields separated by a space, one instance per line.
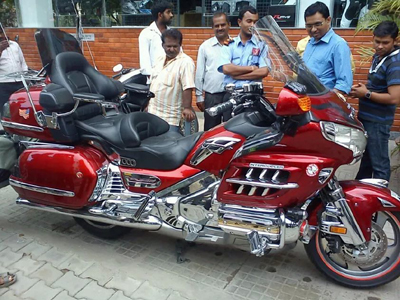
x=316 y=25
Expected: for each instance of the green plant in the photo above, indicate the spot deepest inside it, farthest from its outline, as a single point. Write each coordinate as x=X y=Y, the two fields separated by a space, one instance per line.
x=384 y=10
x=8 y=14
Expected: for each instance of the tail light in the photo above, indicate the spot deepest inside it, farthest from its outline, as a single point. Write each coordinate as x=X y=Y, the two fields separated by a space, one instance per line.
x=292 y=104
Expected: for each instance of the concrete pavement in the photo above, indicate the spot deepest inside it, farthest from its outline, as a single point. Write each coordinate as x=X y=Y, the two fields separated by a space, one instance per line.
x=55 y=259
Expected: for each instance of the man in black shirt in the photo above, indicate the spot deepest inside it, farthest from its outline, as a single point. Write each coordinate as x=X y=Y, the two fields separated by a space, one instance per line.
x=378 y=100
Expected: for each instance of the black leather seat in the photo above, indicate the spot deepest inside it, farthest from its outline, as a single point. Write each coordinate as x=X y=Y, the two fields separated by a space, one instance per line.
x=142 y=138
x=72 y=71
x=247 y=124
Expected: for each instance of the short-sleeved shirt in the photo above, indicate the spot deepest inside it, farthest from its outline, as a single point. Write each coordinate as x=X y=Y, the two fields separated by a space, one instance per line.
x=168 y=83
x=252 y=53
x=208 y=79
x=329 y=59
x=383 y=73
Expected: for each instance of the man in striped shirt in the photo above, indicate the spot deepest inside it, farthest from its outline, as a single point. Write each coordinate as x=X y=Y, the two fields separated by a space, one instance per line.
x=172 y=82
x=378 y=101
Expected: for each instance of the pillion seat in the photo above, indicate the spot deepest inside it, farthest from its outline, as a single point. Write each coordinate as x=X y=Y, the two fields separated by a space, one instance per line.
x=141 y=137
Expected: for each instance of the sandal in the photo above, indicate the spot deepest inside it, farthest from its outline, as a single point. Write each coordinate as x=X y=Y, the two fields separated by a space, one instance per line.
x=7 y=279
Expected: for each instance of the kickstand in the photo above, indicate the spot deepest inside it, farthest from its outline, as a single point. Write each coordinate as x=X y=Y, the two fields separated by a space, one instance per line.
x=180 y=249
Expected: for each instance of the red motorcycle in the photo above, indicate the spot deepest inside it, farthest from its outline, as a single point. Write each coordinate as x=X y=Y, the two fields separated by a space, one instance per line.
x=261 y=181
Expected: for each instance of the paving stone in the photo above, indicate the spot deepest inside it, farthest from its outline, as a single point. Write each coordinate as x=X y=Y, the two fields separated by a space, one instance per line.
x=63 y=296
x=55 y=257
x=8 y=257
x=27 y=265
x=148 y=292
x=41 y=291
x=99 y=273
x=34 y=249
x=73 y=284
x=176 y=296
x=22 y=284
x=47 y=273
x=95 y=292
x=16 y=242
x=10 y=296
x=5 y=235
x=75 y=264
x=124 y=283
x=3 y=291
x=119 y=296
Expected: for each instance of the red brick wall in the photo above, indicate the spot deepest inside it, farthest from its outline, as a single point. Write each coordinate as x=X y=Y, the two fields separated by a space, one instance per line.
x=120 y=45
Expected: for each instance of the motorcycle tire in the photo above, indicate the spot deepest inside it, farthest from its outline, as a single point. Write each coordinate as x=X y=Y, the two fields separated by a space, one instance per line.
x=102 y=230
x=348 y=269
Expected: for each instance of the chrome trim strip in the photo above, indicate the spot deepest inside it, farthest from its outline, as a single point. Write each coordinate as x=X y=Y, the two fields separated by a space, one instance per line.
x=386 y=203
x=21 y=126
x=41 y=189
x=41 y=145
x=262 y=184
x=376 y=182
x=183 y=183
x=150 y=223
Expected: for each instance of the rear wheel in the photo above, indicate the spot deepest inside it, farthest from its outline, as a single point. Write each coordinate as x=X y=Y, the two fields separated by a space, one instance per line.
x=375 y=266
x=102 y=230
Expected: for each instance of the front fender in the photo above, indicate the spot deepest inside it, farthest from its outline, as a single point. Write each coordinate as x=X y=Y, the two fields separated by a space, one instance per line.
x=366 y=199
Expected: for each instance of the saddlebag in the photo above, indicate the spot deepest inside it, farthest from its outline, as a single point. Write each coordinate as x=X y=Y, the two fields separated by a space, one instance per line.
x=60 y=176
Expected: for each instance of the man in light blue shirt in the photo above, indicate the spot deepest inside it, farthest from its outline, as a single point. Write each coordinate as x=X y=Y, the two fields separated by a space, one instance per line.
x=327 y=55
x=210 y=88
x=245 y=59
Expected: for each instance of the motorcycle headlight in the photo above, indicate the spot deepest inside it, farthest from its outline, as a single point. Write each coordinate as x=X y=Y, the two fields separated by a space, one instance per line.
x=348 y=137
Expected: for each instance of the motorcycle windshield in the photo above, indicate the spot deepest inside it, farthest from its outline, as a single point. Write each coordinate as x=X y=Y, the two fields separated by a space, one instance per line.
x=284 y=63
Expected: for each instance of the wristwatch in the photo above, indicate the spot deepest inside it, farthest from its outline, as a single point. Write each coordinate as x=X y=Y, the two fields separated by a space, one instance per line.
x=368 y=94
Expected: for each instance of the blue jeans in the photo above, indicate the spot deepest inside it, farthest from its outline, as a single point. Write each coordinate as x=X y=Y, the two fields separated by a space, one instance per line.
x=375 y=162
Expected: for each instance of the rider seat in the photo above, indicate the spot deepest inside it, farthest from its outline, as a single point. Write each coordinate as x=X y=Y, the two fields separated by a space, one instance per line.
x=142 y=138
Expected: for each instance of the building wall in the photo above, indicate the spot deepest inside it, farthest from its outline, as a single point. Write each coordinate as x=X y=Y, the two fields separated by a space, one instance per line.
x=120 y=45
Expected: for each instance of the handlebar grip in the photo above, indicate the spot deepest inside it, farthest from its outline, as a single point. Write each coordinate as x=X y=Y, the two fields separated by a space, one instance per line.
x=220 y=108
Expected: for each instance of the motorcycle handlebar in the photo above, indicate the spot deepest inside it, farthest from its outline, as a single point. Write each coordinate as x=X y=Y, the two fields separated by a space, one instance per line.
x=220 y=108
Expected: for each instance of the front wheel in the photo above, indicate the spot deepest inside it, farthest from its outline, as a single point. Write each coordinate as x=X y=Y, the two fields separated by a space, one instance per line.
x=102 y=230
x=377 y=265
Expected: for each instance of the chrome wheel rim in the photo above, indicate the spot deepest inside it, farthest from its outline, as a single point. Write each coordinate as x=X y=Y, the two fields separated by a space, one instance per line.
x=384 y=248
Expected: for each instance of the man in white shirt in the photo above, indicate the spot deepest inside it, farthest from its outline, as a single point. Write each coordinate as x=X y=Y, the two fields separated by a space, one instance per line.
x=150 y=45
x=11 y=60
x=172 y=82
x=209 y=82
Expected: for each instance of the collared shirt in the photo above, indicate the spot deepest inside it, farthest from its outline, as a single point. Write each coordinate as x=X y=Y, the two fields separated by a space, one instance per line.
x=168 y=83
x=252 y=53
x=383 y=73
x=329 y=59
x=12 y=60
x=208 y=79
x=150 y=48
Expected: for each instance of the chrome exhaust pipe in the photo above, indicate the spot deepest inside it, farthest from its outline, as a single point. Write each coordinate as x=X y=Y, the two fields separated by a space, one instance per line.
x=150 y=223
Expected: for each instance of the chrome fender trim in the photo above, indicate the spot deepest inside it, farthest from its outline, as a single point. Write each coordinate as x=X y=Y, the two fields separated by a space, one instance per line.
x=41 y=189
x=21 y=126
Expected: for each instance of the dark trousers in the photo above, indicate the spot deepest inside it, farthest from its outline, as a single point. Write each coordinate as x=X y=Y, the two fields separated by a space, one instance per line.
x=375 y=162
x=6 y=89
x=211 y=100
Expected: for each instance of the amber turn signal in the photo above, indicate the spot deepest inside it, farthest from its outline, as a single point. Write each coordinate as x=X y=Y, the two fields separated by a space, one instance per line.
x=339 y=230
x=304 y=103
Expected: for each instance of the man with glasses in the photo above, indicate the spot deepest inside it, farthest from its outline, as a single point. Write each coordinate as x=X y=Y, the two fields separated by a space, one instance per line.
x=327 y=55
